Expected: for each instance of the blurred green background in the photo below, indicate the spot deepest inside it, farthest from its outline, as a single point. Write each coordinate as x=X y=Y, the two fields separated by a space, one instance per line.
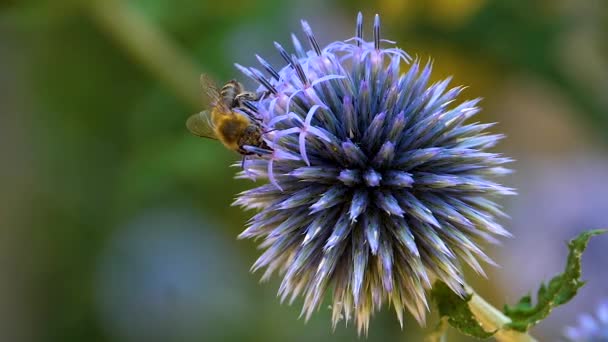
x=116 y=224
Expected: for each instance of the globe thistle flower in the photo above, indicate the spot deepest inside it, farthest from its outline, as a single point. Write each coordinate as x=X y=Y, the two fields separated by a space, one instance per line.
x=377 y=186
x=590 y=329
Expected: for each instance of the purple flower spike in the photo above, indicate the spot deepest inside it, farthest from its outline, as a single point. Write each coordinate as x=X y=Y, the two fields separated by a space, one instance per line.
x=377 y=184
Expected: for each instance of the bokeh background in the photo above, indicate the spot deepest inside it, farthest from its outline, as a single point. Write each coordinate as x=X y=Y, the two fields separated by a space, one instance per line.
x=117 y=225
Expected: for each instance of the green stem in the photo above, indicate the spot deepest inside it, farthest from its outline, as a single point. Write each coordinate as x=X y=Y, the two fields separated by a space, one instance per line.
x=493 y=319
x=149 y=46
x=440 y=333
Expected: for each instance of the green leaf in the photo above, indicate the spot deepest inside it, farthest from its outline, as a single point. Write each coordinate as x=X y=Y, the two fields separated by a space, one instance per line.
x=560 y=289
x=457 y=311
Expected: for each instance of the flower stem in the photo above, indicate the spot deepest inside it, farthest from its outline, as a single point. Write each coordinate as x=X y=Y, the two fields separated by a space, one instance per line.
x=149 y=46
x=493 y=319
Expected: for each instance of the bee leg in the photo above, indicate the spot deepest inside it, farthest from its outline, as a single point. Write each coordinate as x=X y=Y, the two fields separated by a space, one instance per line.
x=260 y=95
x=251 y=96
x=245 y=96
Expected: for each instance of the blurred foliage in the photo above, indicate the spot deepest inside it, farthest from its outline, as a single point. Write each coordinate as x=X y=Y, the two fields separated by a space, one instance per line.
x=110 y=145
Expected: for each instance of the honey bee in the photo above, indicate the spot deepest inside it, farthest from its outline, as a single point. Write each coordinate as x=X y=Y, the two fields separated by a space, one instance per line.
x=231 y=119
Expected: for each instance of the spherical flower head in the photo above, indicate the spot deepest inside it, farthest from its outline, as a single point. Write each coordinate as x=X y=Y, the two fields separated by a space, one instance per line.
x=377 y=185
x=590 y=328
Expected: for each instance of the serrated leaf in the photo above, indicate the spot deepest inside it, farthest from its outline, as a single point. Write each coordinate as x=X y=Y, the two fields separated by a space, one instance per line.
x=560 y=289
x=457 y=311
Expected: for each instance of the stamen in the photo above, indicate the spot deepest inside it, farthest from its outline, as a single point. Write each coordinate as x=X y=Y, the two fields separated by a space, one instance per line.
x=250 y=106
x=377 y=32
x=283 y=53
x=359 y=29
x=298 y=46
x=295 y=62
x=268 y=67
x=244 y=70
x=257 y=76
x=311 y=37
x=263 y=81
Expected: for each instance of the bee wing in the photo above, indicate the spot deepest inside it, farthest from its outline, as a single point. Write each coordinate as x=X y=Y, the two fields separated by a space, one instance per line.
x=211 y=91
x=200 y=124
